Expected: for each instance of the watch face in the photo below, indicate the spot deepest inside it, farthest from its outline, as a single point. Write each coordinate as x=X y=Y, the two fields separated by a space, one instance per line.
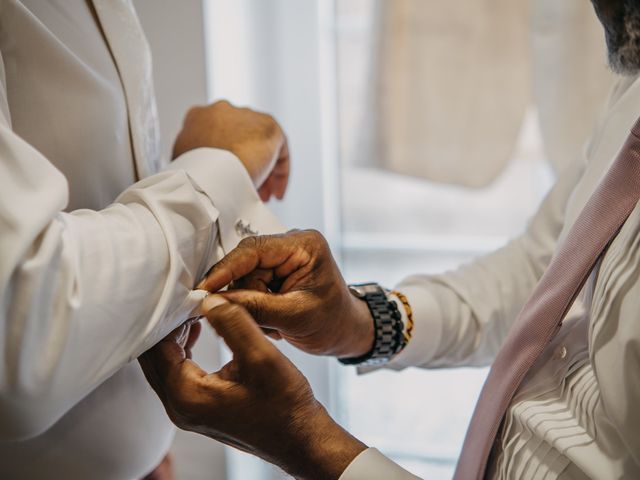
x=363 y=289
x=356 y=291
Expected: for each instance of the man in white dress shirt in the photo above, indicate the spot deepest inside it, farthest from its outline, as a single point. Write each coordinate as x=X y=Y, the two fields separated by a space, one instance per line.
x=101 y=241
x=576 y=414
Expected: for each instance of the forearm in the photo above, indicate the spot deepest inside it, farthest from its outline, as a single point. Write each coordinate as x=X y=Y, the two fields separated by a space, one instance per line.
x=461 y=317
x=93 y=290
x=86 y=292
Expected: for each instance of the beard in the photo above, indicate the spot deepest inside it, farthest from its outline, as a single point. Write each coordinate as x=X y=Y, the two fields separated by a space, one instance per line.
x=622 y=32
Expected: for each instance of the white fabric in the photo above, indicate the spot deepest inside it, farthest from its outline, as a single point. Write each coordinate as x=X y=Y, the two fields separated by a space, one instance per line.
x=576 y=414
x=440 y=70
x=452 y=82
x=94 y=268
x=571 y=81
x=370 y=464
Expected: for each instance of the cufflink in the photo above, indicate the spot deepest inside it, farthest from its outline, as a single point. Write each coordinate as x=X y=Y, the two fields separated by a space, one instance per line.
x=244 y=229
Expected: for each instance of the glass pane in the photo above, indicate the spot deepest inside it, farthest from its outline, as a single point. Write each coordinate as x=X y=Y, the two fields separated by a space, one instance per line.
x=395 y=225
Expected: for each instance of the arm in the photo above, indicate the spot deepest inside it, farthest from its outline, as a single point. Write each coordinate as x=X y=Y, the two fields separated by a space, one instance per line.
x=85 y=292
x=290 y=283
x=462 y=317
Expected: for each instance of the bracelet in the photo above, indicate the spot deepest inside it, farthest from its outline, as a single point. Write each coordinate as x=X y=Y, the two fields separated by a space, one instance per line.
x=407 y=308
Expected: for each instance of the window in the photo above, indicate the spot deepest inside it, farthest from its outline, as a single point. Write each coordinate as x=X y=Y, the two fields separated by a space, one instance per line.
x=306 y=62
x=392 y=226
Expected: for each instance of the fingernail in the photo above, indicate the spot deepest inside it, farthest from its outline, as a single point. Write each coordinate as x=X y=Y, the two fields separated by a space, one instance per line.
x=212 y=301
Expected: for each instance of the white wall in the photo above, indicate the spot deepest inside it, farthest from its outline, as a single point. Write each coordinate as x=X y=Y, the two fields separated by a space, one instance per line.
x=175 y=30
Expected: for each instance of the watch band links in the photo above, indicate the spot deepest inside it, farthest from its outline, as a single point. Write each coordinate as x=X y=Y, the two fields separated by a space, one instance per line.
x=387 y=323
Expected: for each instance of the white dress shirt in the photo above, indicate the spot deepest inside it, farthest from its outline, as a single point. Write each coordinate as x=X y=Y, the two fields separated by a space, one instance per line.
x=94 y=267
x=577 y=414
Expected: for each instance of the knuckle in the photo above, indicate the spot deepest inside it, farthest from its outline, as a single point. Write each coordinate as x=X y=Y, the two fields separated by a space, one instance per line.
x=193 y=112
x=256 y=310
x=248 y=243
x=270 y=120
x=261 y=357
x=314 y=237
x=231 y=310
x=272 y=129
x=312 y=233
x=221 y=104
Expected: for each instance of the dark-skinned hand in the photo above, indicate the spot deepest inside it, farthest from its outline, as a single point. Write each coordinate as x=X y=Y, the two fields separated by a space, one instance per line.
x=291 y=285
x=255 y=138
x=259 y=402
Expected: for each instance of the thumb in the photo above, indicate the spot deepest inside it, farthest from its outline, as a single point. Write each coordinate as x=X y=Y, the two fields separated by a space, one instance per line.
x=274 y=310
x=236 y=327
x=166 y=364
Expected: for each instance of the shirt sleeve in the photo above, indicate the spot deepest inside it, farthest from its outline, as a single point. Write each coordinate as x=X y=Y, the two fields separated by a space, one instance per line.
x=370 y=464
x=85 y=292
x=462 y=317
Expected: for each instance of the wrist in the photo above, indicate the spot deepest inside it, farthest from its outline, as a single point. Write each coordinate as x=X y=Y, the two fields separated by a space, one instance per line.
x=326 y=448
x=245 y=158
x=388 y=325
x=359 y=332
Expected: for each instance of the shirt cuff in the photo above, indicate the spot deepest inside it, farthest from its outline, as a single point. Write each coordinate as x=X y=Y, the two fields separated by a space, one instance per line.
x=223 y=178
x=427 y=328
x=230 y=196
x=372 y=465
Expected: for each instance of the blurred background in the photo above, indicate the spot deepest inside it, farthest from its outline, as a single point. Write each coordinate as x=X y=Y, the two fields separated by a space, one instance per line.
x=423 y=133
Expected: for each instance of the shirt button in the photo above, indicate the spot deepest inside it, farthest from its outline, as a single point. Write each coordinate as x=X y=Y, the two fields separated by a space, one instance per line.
x=561 y=353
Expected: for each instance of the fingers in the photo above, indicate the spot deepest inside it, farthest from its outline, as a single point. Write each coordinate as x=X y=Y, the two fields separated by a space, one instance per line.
x=278 y=179
x=238 y=330
x=194 y=334
x=281 y=172
x=260 y=280
x=264 y=192
x=271 y=333
x=167 y=365
x=281 y=252
x=268 y=309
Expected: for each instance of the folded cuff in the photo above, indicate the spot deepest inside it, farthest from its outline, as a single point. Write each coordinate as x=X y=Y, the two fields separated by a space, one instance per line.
x=223 y=178
x=373 y=465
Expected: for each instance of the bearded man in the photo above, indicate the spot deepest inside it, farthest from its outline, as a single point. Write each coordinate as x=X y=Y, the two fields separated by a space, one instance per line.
x=561 y=399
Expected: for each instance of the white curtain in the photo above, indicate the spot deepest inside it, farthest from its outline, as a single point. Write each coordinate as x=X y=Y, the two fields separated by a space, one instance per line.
x=451 y=82
x=570 y=78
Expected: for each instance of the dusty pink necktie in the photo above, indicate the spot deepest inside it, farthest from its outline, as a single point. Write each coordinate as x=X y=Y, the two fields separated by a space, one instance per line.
x=541 y=317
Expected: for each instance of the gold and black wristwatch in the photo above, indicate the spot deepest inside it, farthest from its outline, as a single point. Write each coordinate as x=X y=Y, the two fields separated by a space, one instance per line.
x=387 y=324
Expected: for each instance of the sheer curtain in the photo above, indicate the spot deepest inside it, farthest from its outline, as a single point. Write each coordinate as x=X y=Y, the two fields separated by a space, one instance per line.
x=451 y=83
x=410 y=124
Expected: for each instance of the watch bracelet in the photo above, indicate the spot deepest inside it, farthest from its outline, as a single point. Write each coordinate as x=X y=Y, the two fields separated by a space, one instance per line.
x=388 y=329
